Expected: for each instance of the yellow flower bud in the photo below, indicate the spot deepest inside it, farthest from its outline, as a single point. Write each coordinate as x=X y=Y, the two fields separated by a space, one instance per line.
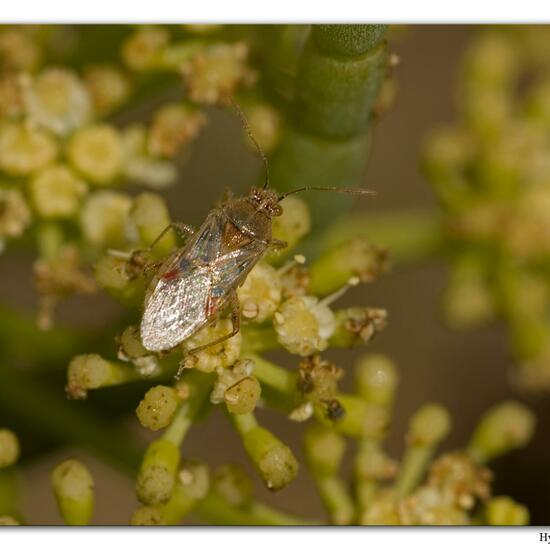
x=108 y=87
x=294 y=223
x=141 y=50
x=104 y=219
x=96 y=152
x=57 y=100
x=157 y=408
x=74 y=490
x=56 y=192
x=24 y=150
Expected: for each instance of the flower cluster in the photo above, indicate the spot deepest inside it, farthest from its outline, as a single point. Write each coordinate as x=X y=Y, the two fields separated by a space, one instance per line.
x=64 y=160
x=490 y=172
x=279 y=310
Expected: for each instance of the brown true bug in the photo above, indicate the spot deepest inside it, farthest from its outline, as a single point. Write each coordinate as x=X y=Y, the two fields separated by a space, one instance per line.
x=199 y=280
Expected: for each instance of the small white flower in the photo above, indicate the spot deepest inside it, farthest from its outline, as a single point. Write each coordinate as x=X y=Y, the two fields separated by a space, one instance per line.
x=57 y=100
x=219 y=356
x=304 y=325
x=261 y=293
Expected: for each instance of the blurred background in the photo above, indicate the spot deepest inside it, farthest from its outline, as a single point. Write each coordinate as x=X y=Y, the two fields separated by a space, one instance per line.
x=466 y=371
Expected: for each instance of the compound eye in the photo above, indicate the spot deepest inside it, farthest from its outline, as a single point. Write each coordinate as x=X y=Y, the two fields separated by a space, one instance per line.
x=277 y=210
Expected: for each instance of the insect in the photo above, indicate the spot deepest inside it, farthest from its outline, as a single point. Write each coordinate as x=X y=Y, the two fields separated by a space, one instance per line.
x=198 y=281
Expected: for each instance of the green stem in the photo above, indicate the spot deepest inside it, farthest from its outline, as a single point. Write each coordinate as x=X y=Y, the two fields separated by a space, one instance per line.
x=412 y=469
x=339 y=75
x=410 y=236
x=200 y=385
x=217 y=511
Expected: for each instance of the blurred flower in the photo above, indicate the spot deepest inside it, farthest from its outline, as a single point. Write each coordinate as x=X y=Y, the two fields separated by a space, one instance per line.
x=141 y=49
x=24 y=150
x=96 y=152
x=18 y=50
x=213 y=74
x=104 y=218
x=173 y=126
x=56 y=99
x=15 y=215
x=108 y=87
x=56 y=192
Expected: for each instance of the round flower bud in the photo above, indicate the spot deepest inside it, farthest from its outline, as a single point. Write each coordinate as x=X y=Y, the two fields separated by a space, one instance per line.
x=150 y=215
x=194 y=478
x=18 y=50
x=273 y=459
x=505 y=511
x=130 y=346
x=507 y=426
x=25 y=150
x=377 y=379
x=228 y=377
x=261 y=293
x=147 y=515
x=233 y=484
x=96 y=152
x=15 y=215
x=107 y=86
x=219 y=356
x=141 y=50
x=294 y=223
x=157 y=408
x=104 y=219
x=242 y=397
x=355 y=258
x=56 y=192
x=9 y=448
x=57 y=100
x=324 y=450
x=74 y=491
x=265 y=124
x=157 y=474
x=304 y=325
x=429 y=425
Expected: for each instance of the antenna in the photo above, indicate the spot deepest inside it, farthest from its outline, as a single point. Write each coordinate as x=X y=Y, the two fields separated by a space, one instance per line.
x=247 y=129
x=347 y=190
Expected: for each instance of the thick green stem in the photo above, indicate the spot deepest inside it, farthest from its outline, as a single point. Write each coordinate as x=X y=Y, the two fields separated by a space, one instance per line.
x=339 y=75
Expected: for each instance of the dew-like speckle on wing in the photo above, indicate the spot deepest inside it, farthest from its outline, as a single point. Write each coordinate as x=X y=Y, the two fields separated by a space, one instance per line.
x=175 y=310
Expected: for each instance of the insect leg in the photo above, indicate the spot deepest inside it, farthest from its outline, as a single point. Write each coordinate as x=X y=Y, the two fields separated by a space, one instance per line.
x=182 y=229
x=277 y=244
x=235 y=321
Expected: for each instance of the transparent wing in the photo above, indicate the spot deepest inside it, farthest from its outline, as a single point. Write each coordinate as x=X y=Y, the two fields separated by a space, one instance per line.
x=176 y=309
x=232 y=267
x=206 y=246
